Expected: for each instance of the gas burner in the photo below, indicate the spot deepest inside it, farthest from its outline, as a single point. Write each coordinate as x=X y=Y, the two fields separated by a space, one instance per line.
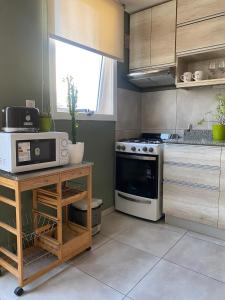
x=142 y=141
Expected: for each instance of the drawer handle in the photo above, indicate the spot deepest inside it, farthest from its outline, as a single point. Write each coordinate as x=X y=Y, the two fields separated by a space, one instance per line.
x=189 y=165
x=192 y=185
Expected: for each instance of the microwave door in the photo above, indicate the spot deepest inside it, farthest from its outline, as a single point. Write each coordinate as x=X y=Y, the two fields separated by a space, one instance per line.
x=29 y=152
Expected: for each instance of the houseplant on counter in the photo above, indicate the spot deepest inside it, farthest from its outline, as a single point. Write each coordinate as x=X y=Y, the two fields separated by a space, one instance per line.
x=76 y=149
x=218 y=129
x=45 y=122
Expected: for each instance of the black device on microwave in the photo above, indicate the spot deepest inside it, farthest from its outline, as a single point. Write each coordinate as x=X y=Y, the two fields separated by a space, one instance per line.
x=20 y=119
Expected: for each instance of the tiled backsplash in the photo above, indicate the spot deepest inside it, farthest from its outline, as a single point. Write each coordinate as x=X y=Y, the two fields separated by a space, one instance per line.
x=128 y=114
x=168 y=110
x=174 y=110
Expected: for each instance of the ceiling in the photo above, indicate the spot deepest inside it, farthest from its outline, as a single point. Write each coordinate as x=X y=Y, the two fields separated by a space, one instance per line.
x=136 y=5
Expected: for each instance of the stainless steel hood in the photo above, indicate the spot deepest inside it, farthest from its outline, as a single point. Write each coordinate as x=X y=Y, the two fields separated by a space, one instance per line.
x=148 y=78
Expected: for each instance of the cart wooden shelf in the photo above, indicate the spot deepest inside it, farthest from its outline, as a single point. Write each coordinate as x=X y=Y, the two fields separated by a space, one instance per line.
x=51 y=237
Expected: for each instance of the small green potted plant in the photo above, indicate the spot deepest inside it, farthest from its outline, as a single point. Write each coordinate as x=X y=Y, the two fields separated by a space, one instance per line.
x=218 y=129
x=45 y=122
x=76 y=149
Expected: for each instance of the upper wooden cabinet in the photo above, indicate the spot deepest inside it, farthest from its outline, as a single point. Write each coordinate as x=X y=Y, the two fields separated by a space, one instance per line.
x=208 y=34
x=193 y=10
x=152 y=36
x=163 y=34
x=140 y=32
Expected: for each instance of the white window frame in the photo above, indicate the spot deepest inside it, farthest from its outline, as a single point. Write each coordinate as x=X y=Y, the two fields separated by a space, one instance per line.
x=53 y=96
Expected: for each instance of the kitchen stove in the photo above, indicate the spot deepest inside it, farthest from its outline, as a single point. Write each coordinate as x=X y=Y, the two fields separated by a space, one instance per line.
x=139 y=176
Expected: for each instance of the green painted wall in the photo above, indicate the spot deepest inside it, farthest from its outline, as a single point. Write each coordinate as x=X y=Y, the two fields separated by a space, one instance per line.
x=21 y=32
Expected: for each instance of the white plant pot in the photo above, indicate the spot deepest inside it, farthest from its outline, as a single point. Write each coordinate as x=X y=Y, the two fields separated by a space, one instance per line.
x=76 y=152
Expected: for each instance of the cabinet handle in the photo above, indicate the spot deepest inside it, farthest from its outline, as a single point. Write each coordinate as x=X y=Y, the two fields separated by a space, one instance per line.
x=190 y=165
x=192 y=185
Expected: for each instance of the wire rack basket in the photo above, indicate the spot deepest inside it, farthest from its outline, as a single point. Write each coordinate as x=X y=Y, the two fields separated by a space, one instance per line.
x=34 y=228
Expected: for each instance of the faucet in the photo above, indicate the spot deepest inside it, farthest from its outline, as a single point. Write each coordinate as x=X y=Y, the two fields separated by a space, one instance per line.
x=190 y=127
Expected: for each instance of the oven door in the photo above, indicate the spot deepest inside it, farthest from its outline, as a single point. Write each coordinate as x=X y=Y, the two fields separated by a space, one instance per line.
x=32 y=152
x=137 y=174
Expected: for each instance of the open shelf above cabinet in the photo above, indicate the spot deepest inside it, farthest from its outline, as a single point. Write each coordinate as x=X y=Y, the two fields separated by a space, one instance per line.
x=211 y=63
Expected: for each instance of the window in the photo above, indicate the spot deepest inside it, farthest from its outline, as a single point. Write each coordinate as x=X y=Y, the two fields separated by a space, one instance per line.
x=94 y=77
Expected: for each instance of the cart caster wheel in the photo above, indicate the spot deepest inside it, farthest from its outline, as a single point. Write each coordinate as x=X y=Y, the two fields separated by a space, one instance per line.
x=1 y=273
x=88 y=249
x=18 y=291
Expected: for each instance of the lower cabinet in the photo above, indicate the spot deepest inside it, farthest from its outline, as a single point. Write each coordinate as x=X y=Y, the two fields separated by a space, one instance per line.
x=192 y=184
x=191 y=202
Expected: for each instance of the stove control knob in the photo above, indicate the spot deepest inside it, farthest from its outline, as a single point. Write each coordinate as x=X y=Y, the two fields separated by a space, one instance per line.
x=151 y=149
x=123 y=148
x=145 y=149
x=118 y=147
x=133 y=148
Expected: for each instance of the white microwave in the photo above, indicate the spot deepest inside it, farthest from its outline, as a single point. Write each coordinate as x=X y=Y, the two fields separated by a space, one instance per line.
x=21 y=152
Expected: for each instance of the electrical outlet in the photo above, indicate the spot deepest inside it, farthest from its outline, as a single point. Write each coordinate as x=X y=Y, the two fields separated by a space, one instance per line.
x=30 y=103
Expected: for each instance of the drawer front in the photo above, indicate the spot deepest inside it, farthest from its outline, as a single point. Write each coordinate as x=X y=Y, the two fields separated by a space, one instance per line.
x=191 y=203
x=201 y=35
x=75 y=173
x=192 y=10
x=140 y=39
x=222 y=176
x=193 y=154
x=221 y=221
x=39 y=182
x=196 y=174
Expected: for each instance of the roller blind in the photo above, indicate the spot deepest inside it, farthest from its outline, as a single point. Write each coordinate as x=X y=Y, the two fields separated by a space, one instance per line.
x=94 y=24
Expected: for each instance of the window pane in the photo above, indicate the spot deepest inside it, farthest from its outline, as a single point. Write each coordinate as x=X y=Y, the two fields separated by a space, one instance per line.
x=85 y=67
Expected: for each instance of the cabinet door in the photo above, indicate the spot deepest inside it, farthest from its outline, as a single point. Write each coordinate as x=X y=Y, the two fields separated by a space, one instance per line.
x=191 y=203
x=193 y=154
x=140 y=34
x=191 y=182
x=163 y=34
x=205 y=176
x=192 y=10
x=221 y=222
x=201 y=35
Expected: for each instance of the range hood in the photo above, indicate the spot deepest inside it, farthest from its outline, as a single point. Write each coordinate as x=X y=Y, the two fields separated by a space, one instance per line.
x=148 y=78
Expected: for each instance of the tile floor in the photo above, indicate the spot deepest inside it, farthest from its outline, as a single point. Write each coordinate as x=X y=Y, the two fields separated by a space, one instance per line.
x=135 y=259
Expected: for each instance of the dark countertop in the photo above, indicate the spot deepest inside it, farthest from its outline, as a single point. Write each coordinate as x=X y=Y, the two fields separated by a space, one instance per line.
x=42 y=172
x=199 y=141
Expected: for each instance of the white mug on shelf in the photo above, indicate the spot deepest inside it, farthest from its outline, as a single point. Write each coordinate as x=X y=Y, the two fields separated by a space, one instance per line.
x=198 y=75
x=186 y=77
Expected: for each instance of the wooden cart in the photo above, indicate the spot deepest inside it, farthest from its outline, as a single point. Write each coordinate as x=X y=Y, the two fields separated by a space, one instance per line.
x=51 y=235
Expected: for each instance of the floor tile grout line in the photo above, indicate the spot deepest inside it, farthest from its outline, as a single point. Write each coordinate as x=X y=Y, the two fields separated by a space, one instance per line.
x=151 y=269
x=201 y=239
x=106 y=284
x=136 y=248
x=194 y=271
x=109 y=239
x=174 y=244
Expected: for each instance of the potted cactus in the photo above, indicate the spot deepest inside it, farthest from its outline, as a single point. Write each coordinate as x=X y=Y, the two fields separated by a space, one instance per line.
x=76 y=149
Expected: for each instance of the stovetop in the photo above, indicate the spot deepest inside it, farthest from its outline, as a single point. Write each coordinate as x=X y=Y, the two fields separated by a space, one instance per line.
x=142 y=141
x=148 y=144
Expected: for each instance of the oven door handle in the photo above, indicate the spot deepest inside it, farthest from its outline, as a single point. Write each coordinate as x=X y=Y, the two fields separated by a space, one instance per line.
x=134 y=200
x=136 y=157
